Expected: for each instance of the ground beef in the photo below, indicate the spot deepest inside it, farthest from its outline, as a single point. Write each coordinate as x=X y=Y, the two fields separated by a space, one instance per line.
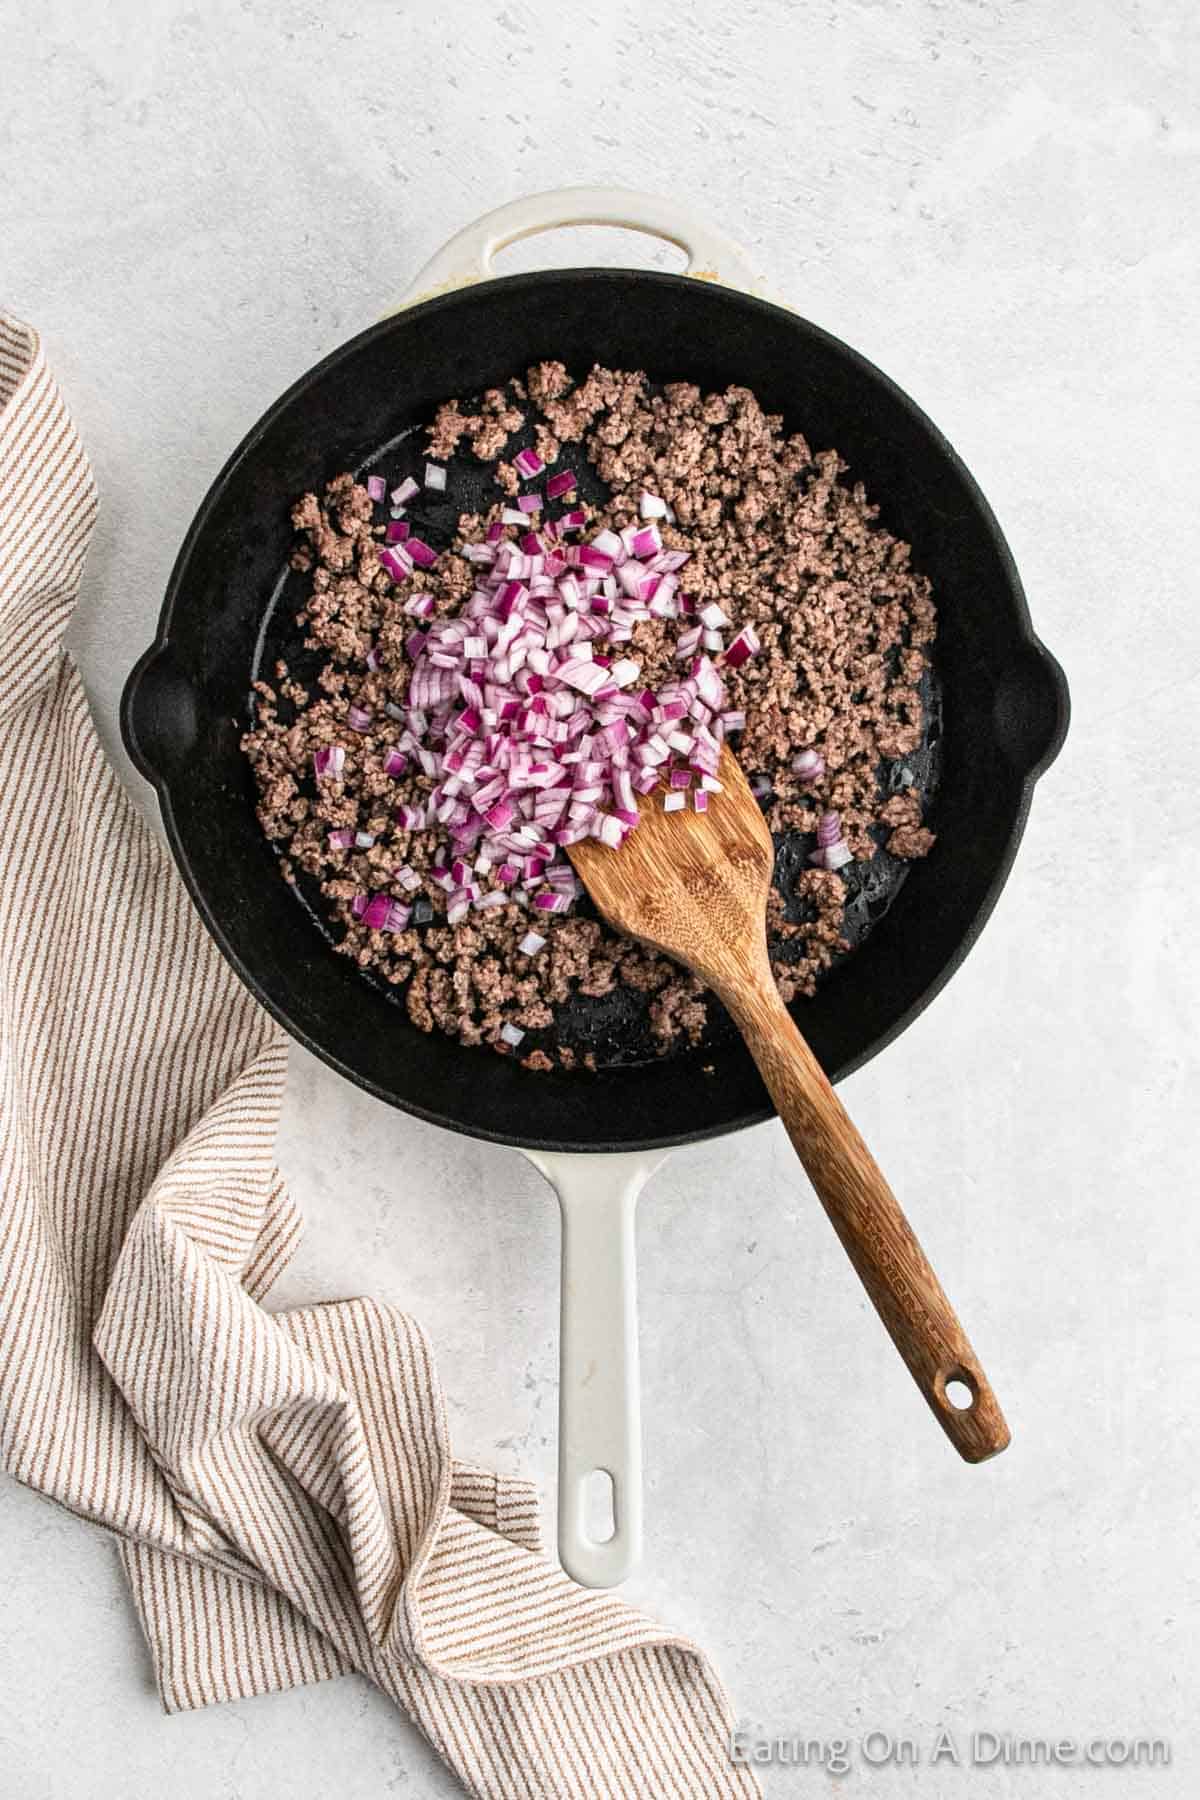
x=488 y=430
x=500 y=419
x=448 y=427
x=776 y=534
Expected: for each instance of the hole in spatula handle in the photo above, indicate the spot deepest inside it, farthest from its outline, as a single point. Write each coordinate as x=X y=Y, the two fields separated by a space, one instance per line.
x=959 y=1389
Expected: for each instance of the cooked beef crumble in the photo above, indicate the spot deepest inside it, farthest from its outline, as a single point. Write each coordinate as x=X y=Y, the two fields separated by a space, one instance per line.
x=775 y=534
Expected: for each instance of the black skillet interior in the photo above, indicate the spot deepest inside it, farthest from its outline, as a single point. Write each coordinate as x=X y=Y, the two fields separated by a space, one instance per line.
x=1004 y=697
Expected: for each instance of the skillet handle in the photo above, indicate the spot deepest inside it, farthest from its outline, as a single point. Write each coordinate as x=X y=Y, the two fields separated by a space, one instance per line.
x=599 y=1404
x=468 y=255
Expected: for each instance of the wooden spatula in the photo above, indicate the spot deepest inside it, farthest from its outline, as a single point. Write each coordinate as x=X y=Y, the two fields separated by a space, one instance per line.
x=694 y=885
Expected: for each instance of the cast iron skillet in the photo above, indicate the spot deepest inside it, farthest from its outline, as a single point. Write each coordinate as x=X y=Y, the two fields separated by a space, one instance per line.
x=186 y=704
x=1005 y=703
x=998 y=711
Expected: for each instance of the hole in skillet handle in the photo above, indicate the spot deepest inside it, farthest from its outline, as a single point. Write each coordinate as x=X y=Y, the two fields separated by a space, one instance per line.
x=599 y=1507
x=1031 y=709
x=159 y=719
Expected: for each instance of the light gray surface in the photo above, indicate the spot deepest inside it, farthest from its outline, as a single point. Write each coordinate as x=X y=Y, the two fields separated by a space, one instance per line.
x=997 y=201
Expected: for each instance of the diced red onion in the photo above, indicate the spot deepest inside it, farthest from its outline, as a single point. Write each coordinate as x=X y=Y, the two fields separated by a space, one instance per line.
x=382 y=913
x=358 y=718
x=408 y=490
x=341 y=839
x=529 y=503
x=829 y=830
x=561 y=484
x=528 y=463
x=398 y=561
x=745 y=645
x=652 y=506
x=330 y=761
x=531 y=738
x=435 y=478
x=376 y=487
x=397 y=531
x=809 y=765
x=531 y=943
x=512 y=1034
x=666 y=562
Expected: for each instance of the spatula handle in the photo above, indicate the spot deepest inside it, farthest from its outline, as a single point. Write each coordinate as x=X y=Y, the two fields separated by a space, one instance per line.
x=867 y=1217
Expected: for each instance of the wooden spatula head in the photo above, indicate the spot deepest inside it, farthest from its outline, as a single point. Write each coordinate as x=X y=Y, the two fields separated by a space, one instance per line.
x=693 y=885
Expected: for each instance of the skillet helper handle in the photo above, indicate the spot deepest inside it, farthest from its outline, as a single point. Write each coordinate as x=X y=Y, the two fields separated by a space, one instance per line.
x=867 y=1218
x=468 y=256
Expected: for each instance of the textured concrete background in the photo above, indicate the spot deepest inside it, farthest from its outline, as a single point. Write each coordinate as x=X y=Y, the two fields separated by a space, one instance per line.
x=998 y=202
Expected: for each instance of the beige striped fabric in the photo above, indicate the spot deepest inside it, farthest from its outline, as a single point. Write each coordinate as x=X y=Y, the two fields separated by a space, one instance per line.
x=281 y=1484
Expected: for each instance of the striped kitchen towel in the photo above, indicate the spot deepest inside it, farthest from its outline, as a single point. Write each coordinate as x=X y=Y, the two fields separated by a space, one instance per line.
x=281 y=1484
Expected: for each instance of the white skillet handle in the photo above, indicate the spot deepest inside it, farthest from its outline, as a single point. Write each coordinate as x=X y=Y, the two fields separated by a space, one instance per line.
x=599 y=1407
x=468 y=256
